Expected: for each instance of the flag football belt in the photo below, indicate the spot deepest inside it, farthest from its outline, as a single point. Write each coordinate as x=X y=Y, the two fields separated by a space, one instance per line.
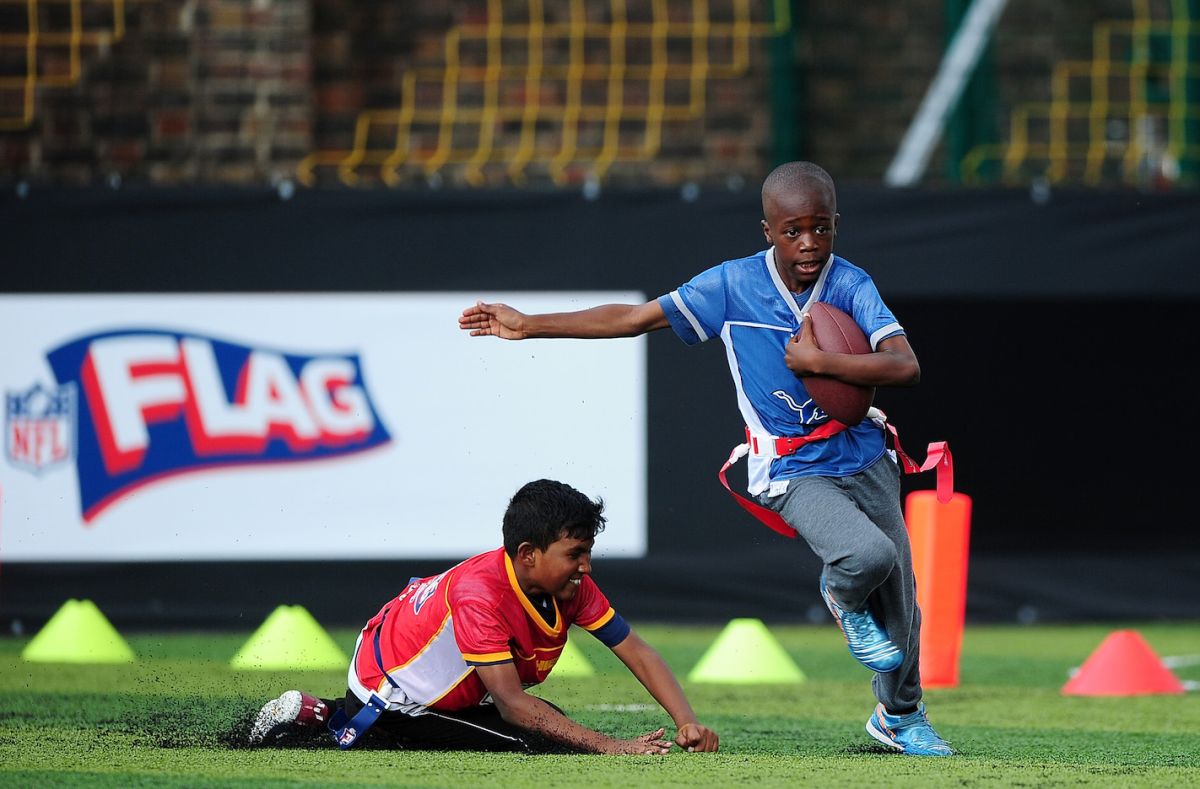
x=771 y=447
x=347 y=730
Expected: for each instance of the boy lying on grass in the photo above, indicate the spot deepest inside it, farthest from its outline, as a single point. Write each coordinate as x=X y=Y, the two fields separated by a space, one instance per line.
x=445 y=664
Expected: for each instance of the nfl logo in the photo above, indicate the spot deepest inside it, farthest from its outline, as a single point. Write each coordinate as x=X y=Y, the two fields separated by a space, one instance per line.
x=39 y=427
x=347 y=736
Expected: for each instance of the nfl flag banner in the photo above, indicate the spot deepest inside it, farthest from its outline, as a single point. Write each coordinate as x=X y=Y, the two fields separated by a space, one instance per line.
x=163 y=403
x=217 y=427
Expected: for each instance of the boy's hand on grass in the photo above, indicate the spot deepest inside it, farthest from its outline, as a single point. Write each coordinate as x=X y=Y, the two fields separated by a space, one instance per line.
x=649 y=744
x=696 y=738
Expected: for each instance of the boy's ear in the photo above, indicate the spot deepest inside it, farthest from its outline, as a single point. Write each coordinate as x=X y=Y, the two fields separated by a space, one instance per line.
x=525 y=553
x=767 y=229
x=836 y=218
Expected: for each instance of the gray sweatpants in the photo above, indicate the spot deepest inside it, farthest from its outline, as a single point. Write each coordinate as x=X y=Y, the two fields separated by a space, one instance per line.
x=854 y=524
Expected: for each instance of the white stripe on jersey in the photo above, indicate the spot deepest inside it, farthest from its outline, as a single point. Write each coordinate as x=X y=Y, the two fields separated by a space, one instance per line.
x=753 y=325
x=891 y=328
x=691 y=319
x=426 y=678
x=758 y=468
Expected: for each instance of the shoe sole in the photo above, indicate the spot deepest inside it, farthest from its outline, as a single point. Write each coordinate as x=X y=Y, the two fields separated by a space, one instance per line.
x=883 y=738
x=275 y=712
x=880 y=669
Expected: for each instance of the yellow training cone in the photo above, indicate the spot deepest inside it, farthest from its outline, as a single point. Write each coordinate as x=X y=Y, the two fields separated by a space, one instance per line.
x=78 y=633
x=572 y=663
x=290 y=639
x=746 y=653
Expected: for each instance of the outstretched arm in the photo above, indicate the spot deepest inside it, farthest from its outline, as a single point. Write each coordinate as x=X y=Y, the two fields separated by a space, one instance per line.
x=892 y=364
x=651 y=671
x=606 y=321
x=529 y=712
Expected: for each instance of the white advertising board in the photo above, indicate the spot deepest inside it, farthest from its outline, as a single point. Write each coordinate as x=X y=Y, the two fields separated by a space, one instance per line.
x=296 y=426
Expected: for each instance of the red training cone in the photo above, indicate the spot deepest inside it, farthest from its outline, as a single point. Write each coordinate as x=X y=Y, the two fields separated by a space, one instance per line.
x=1123 y=665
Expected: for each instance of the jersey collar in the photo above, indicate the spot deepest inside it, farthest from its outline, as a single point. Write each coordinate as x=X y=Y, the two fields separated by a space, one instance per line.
x=789 y=298
x=527 y=604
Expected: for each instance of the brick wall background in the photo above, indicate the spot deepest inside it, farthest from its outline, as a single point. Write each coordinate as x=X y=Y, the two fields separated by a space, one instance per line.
x=218 y=91
x=204 y=91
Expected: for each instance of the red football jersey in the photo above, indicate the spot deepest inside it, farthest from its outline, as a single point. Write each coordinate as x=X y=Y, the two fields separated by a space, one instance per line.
x=432 y=635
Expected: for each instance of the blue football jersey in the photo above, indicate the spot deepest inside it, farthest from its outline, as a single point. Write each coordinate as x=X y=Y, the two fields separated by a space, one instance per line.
x=746 y=303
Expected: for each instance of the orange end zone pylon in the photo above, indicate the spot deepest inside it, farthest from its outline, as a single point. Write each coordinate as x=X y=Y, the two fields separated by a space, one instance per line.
x=940 y=535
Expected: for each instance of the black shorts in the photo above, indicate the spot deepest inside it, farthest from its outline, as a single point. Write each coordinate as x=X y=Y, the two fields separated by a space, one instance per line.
x=476 y=729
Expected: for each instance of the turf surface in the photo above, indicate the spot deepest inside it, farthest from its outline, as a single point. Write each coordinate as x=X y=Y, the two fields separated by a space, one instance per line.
x=174 y=718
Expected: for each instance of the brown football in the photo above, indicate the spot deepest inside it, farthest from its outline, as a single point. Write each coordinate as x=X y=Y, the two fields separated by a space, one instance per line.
x=836 y=332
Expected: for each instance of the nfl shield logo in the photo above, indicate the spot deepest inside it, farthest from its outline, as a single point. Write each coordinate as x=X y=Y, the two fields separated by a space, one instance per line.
x=39 y=427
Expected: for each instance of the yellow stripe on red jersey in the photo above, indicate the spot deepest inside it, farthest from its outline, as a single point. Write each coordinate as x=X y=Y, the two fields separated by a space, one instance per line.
x=487 y=660
x=433 y=634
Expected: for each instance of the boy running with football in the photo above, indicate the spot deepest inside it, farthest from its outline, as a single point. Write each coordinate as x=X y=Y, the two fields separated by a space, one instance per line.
x=444 y=665
x=839 y=489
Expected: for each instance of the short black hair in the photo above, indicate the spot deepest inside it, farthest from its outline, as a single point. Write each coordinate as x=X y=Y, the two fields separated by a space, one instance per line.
x=792 y=177
x=541 y=511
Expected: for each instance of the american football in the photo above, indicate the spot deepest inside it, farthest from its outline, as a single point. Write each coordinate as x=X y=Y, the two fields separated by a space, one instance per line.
x=836 y=332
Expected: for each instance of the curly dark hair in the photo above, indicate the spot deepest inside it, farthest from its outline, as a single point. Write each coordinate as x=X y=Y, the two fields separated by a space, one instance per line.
x=543 y=510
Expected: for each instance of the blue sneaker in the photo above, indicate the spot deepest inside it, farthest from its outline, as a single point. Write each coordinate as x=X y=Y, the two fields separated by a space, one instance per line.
x=868 y=642
x=911 y=734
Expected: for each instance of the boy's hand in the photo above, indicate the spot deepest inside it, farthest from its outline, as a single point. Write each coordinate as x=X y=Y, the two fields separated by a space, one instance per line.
x=801 y=354
x=649 y=744
x=495 y=320
x=696 y=738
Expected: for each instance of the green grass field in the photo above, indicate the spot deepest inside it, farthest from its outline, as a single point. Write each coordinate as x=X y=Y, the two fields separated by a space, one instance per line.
x=168 y=720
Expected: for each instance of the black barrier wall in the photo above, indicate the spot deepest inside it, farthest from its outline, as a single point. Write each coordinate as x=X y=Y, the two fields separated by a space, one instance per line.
x=1052 y=336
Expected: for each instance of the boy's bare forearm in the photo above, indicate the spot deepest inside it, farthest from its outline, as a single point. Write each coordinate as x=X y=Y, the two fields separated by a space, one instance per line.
x=604 y=322
x=529 y=712
x=646 y=664
x=532 y=714
x=882 y=368
x=654 y=674
x=892 y=364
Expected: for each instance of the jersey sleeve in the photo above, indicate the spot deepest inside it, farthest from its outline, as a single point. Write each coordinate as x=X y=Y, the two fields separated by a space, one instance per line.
x=870 y=313
x=597 y=616
x=480 y=632
x=696 y=310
